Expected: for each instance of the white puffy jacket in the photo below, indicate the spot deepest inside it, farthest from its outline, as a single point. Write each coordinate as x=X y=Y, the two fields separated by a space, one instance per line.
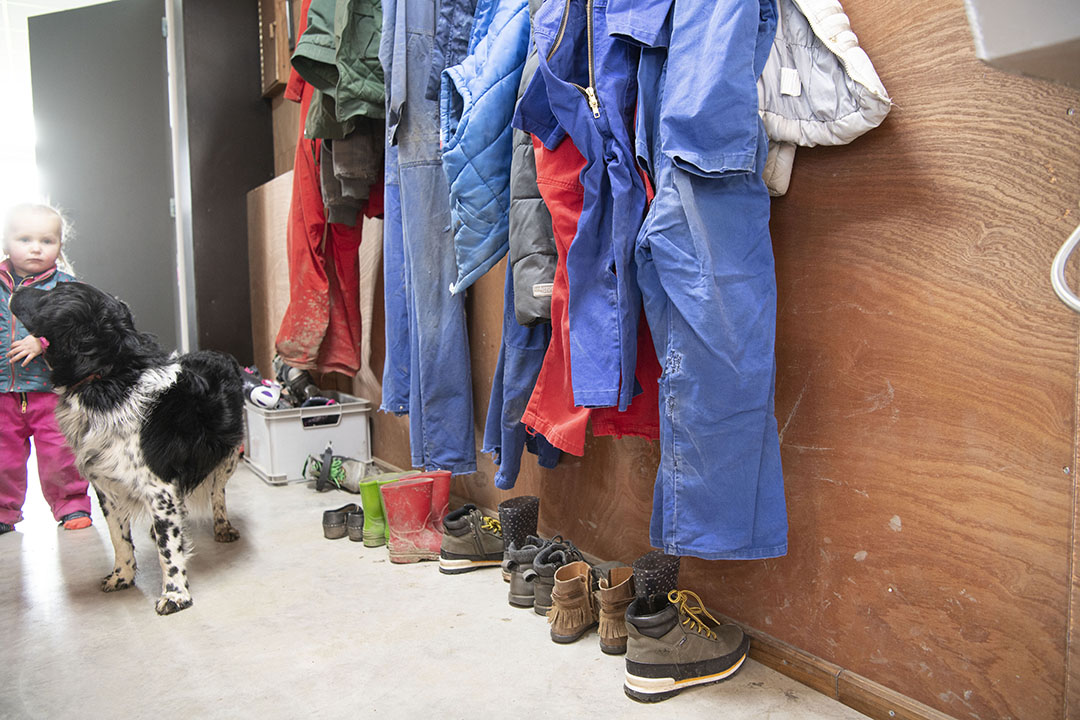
x=818 y=87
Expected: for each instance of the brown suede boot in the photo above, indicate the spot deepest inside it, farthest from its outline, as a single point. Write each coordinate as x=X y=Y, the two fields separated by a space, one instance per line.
x=612 y=598
x=573 y=608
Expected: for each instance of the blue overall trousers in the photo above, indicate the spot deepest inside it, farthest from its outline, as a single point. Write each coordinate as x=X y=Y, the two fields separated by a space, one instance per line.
x=440 y=375
x=705 y=266
x=585 y=87
x=395 y=381
x=521 y=353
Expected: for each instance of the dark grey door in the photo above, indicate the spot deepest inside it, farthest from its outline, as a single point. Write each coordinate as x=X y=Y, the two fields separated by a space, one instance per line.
x=101 y=111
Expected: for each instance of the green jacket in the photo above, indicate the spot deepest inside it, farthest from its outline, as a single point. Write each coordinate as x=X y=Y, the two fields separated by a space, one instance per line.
x=338 y=54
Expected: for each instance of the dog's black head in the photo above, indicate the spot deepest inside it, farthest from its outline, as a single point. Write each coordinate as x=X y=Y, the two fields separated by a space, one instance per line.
x=89 y=332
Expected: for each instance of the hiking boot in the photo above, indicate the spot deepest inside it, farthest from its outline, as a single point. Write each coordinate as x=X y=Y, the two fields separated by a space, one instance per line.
x=470 y=541
x=556 y=553
x=614 y=594
x=573 y=609
x=518 y=561
x=518 y=517
x=674 y=643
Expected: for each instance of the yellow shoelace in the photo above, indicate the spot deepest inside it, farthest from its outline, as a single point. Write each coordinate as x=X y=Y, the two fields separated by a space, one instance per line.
x=491 y=524
x=692 y=614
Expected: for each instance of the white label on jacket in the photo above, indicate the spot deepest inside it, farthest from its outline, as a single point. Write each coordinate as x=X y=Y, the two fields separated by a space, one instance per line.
x=789 y=82
x=541 y=290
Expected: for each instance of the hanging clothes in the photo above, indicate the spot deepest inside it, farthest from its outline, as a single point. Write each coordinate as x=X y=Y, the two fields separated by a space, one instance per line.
x=396 y=371
x=321 y=327
x=521 y=354
x=705 y=266
x=585 y=88
x=551 y=410
x=453 y=32
x=532 y=243
x=818 y=86
x=523 y=345
x=440 y=393
x=478 y=98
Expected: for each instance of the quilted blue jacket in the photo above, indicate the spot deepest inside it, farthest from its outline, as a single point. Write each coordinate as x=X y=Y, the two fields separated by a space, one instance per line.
x=476 y=104
x=35 y=376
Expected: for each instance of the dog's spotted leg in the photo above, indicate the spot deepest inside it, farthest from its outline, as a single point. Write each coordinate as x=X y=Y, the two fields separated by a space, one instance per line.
x=224 y=532
x=123 y=573
x=168 y=515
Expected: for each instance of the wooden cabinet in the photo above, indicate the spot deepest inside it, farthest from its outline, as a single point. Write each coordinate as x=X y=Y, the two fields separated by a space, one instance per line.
x=275 y=44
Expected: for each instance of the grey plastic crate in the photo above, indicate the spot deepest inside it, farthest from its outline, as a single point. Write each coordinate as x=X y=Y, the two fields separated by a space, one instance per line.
x=277 y=442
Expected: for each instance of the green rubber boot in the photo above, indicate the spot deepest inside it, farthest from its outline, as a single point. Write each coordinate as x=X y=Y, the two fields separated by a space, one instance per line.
x=376 y=532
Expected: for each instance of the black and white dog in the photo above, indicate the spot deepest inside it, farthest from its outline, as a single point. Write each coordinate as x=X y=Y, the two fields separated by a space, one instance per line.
x=148 y=430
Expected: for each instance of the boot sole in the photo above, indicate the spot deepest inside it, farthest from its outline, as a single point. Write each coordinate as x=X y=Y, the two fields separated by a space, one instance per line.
x=650 y=690
x=456 y=566
x=613 y=649
x=566 y=639
x=521 y=601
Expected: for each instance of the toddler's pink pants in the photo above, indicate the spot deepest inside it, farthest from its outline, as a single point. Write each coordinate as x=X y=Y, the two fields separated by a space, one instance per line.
x=64 y=489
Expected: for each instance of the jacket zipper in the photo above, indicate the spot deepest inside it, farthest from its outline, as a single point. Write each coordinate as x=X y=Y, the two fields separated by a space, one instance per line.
x=589 y=92
x=11 y=332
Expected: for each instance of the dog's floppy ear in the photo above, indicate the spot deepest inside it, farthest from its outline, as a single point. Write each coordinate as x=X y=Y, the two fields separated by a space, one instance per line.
x=26 y=305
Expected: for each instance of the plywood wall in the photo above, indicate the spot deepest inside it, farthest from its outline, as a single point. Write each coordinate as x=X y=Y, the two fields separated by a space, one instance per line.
x=925 y=391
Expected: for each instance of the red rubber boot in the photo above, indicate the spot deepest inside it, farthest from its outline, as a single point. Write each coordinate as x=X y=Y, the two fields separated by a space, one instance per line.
x=407 y=503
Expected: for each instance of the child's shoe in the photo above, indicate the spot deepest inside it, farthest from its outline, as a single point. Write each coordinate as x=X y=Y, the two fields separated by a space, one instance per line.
x=76 y=520
x=6 y=528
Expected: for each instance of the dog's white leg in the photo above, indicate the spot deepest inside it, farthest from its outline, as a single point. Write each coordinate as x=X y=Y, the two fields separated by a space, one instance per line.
x=119 y=522
x=224 y=532
x=167 y=510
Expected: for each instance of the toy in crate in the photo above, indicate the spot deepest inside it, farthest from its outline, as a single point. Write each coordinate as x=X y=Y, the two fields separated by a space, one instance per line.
x=278 y=439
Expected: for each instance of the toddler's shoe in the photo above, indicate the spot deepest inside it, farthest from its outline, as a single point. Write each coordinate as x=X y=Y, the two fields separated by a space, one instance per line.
x=74 y=521
x=6 y=528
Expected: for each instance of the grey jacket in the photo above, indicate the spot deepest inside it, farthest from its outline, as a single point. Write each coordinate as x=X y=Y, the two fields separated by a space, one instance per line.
x=818 y=87
x=532 y=241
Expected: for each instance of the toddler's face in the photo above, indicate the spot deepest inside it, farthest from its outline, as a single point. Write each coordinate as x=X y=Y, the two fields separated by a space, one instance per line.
x=32 y=241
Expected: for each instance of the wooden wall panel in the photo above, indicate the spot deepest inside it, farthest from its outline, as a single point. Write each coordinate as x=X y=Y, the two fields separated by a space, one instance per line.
x=925 y=391
x=268 y=265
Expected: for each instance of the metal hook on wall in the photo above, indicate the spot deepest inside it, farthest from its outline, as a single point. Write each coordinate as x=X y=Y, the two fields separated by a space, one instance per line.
x=1057 y=271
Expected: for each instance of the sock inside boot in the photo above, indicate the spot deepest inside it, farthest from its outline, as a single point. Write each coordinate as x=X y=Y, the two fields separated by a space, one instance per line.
x=519 y=516
x=655 y=574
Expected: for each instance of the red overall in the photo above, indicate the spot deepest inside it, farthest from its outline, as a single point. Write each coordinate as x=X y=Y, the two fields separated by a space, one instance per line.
x=551 y=410
x=321 y=327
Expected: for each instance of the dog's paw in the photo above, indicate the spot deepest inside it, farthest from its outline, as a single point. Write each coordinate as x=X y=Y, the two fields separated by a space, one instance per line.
x=225 y=533
x=116 y=581
x=169 y=604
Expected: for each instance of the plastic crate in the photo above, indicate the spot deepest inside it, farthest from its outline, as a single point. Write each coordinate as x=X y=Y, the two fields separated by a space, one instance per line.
x=277 y=442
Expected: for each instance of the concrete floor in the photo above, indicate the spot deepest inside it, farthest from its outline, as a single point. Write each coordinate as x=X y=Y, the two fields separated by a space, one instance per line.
x=287 y=624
